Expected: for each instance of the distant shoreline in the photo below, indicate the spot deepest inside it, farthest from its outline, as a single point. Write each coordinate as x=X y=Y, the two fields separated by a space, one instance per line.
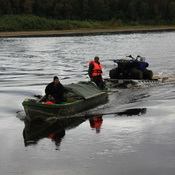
x=83 y=31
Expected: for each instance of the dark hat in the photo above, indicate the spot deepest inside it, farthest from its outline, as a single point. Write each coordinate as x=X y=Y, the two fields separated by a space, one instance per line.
x=96 y=58
x=55 y=77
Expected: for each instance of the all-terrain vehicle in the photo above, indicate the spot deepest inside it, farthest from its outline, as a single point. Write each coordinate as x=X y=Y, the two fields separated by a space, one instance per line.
x=134 y=68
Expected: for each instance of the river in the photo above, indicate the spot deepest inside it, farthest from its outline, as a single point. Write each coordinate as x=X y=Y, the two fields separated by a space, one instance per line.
x=138 y=138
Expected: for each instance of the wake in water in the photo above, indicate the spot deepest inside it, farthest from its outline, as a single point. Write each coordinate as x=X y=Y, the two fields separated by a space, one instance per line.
x=125 y=101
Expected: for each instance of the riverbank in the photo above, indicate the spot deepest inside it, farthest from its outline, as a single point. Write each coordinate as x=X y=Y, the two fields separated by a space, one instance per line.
x=84 y=31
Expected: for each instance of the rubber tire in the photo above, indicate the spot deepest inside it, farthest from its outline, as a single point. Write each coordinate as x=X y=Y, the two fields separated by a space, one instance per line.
x=136 y=74
x=114 y=73
x=147 y=74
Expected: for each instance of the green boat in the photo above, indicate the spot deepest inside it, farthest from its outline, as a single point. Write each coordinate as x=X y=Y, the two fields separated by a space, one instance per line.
x=79 y=97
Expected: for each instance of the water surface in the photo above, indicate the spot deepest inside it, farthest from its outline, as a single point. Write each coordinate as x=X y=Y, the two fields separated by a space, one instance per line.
x=137 y=139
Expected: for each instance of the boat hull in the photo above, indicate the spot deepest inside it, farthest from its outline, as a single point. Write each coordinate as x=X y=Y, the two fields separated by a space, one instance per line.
x=36 y=110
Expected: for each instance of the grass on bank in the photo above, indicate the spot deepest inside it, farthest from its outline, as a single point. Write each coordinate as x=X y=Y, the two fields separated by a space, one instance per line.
x=12 y=23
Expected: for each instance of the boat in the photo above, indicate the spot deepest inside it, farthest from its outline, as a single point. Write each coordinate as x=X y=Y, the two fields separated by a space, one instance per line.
x=132 y=71
x=79 y=97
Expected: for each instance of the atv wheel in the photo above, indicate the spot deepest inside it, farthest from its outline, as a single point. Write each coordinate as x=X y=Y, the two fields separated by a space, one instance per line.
x=136 y=74
x=114 y=73
x=147 y=74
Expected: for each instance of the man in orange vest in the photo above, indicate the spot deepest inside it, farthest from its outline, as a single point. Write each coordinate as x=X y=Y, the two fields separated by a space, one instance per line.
x=95 y=72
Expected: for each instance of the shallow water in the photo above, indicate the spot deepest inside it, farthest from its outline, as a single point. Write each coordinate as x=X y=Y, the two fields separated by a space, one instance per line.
x=137 y=139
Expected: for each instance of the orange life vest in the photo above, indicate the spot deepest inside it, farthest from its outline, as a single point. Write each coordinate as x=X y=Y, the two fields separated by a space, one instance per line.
x=97 y=122
x=49 y=103
x=97 y=70
x=50 y=136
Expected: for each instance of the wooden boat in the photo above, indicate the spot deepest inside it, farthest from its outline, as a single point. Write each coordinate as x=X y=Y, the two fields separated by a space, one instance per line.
x=79 y=97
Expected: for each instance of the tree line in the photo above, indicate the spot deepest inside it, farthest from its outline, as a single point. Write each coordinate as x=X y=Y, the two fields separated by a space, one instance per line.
x=99 y=10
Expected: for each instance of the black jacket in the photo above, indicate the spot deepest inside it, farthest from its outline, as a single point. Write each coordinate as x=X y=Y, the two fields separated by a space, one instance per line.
x=56 y=91
x=91 y=67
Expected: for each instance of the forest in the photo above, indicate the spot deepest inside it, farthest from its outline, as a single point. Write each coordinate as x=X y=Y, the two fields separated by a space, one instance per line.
x=130 y=12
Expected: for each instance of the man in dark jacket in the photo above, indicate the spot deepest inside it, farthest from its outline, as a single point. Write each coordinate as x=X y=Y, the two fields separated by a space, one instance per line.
x=55 y=89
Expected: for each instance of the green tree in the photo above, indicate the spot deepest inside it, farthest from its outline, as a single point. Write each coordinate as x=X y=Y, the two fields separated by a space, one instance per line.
x=132 y=10
x=171 y=9
x=114 y=12
x=126 y=10
x=99 y=9
x=28 y=6
x=15 y=4
x=5 y=7
x=144 y=11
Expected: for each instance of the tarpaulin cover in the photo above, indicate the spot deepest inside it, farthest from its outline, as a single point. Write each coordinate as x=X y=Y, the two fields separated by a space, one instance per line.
x=82 y=90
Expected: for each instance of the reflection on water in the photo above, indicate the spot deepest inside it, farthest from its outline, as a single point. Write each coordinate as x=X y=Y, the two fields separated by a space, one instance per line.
x=131 y=112
x=55 y=128
x=96 y=122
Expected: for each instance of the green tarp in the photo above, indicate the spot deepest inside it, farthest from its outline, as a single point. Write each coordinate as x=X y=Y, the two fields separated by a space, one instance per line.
x=82 y=90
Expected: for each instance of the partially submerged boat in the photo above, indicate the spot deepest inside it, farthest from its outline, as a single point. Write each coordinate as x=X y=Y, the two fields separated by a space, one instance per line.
x=126 y=83
x=132 y=71
x=79 y=97
x=133 y=68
